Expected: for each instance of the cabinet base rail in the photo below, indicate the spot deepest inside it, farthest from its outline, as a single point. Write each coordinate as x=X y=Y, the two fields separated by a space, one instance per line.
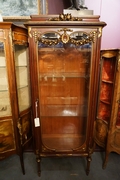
x=87 y=155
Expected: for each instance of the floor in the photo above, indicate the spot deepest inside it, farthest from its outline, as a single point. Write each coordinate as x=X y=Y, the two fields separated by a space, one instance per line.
x=72 y=168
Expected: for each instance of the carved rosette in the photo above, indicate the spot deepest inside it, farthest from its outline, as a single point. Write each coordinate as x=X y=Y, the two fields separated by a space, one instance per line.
x=65 y=38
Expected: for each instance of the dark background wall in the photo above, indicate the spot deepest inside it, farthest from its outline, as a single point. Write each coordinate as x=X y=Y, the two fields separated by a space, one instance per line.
x=57 y=6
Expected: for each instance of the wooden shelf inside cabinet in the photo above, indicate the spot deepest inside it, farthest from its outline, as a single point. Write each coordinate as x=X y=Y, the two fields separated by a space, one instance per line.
x=106 y=81
x=106 y=89
x=105 y=102
x=64 y=142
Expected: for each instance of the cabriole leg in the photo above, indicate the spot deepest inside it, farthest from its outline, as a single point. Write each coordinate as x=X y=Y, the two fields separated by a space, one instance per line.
x=106 y=160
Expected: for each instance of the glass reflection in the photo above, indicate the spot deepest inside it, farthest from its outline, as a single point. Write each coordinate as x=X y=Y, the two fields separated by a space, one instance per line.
x=64 y=75
x=22 y=76
x=5 y=108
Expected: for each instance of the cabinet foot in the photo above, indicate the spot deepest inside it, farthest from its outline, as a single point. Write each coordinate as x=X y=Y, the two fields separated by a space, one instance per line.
x=105 y=161
x=22 y=164
x=38 y=160
x=89 y=159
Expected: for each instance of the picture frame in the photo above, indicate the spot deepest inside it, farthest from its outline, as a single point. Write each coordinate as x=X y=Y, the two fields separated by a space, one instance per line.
x=20 y=10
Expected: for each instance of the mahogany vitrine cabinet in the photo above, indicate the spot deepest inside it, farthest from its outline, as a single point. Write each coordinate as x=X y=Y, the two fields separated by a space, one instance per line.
x=107 y=124
x=15 y=102
x=64 y=68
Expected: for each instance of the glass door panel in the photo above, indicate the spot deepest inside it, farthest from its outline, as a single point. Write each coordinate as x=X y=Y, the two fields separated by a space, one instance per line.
x=22 y=76
x=64 y=75
x=5 y=107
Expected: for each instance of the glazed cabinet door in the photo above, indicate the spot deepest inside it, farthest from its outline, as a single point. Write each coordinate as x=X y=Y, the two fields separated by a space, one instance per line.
x=21 y=59
x=64 y=83
x=22 y=76
x=7 y=138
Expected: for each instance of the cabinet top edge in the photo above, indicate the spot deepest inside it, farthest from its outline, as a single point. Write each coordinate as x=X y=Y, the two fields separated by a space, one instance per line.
x=47 y=20
x=11 y=25
x=64 y=23
x=57 y=15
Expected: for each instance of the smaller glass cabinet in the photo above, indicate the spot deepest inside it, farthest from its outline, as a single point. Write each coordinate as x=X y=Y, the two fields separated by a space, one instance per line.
x=15 y=101
x=107 y=124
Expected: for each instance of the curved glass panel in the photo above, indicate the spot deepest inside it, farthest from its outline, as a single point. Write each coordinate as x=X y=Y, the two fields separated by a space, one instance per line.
x=64 y=76
x=81 y=38
x=79 y=35
x=5 y=107
x=22 y=76
x=50 y=35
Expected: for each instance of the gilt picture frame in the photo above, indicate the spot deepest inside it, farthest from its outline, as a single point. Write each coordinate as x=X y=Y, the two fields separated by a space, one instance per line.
x=20 y=10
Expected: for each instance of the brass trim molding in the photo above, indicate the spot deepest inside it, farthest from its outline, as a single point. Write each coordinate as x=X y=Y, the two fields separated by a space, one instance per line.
x=64 y=38
x=65 y=17
x=118 y=66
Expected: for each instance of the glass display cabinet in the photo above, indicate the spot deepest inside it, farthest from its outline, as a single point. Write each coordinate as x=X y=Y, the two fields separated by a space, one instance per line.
x=107 y=124
x=15 y=102
x=64 y=66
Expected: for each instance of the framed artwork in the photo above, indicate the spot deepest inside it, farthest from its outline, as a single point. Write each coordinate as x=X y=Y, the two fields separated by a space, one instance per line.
x=22 y=9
